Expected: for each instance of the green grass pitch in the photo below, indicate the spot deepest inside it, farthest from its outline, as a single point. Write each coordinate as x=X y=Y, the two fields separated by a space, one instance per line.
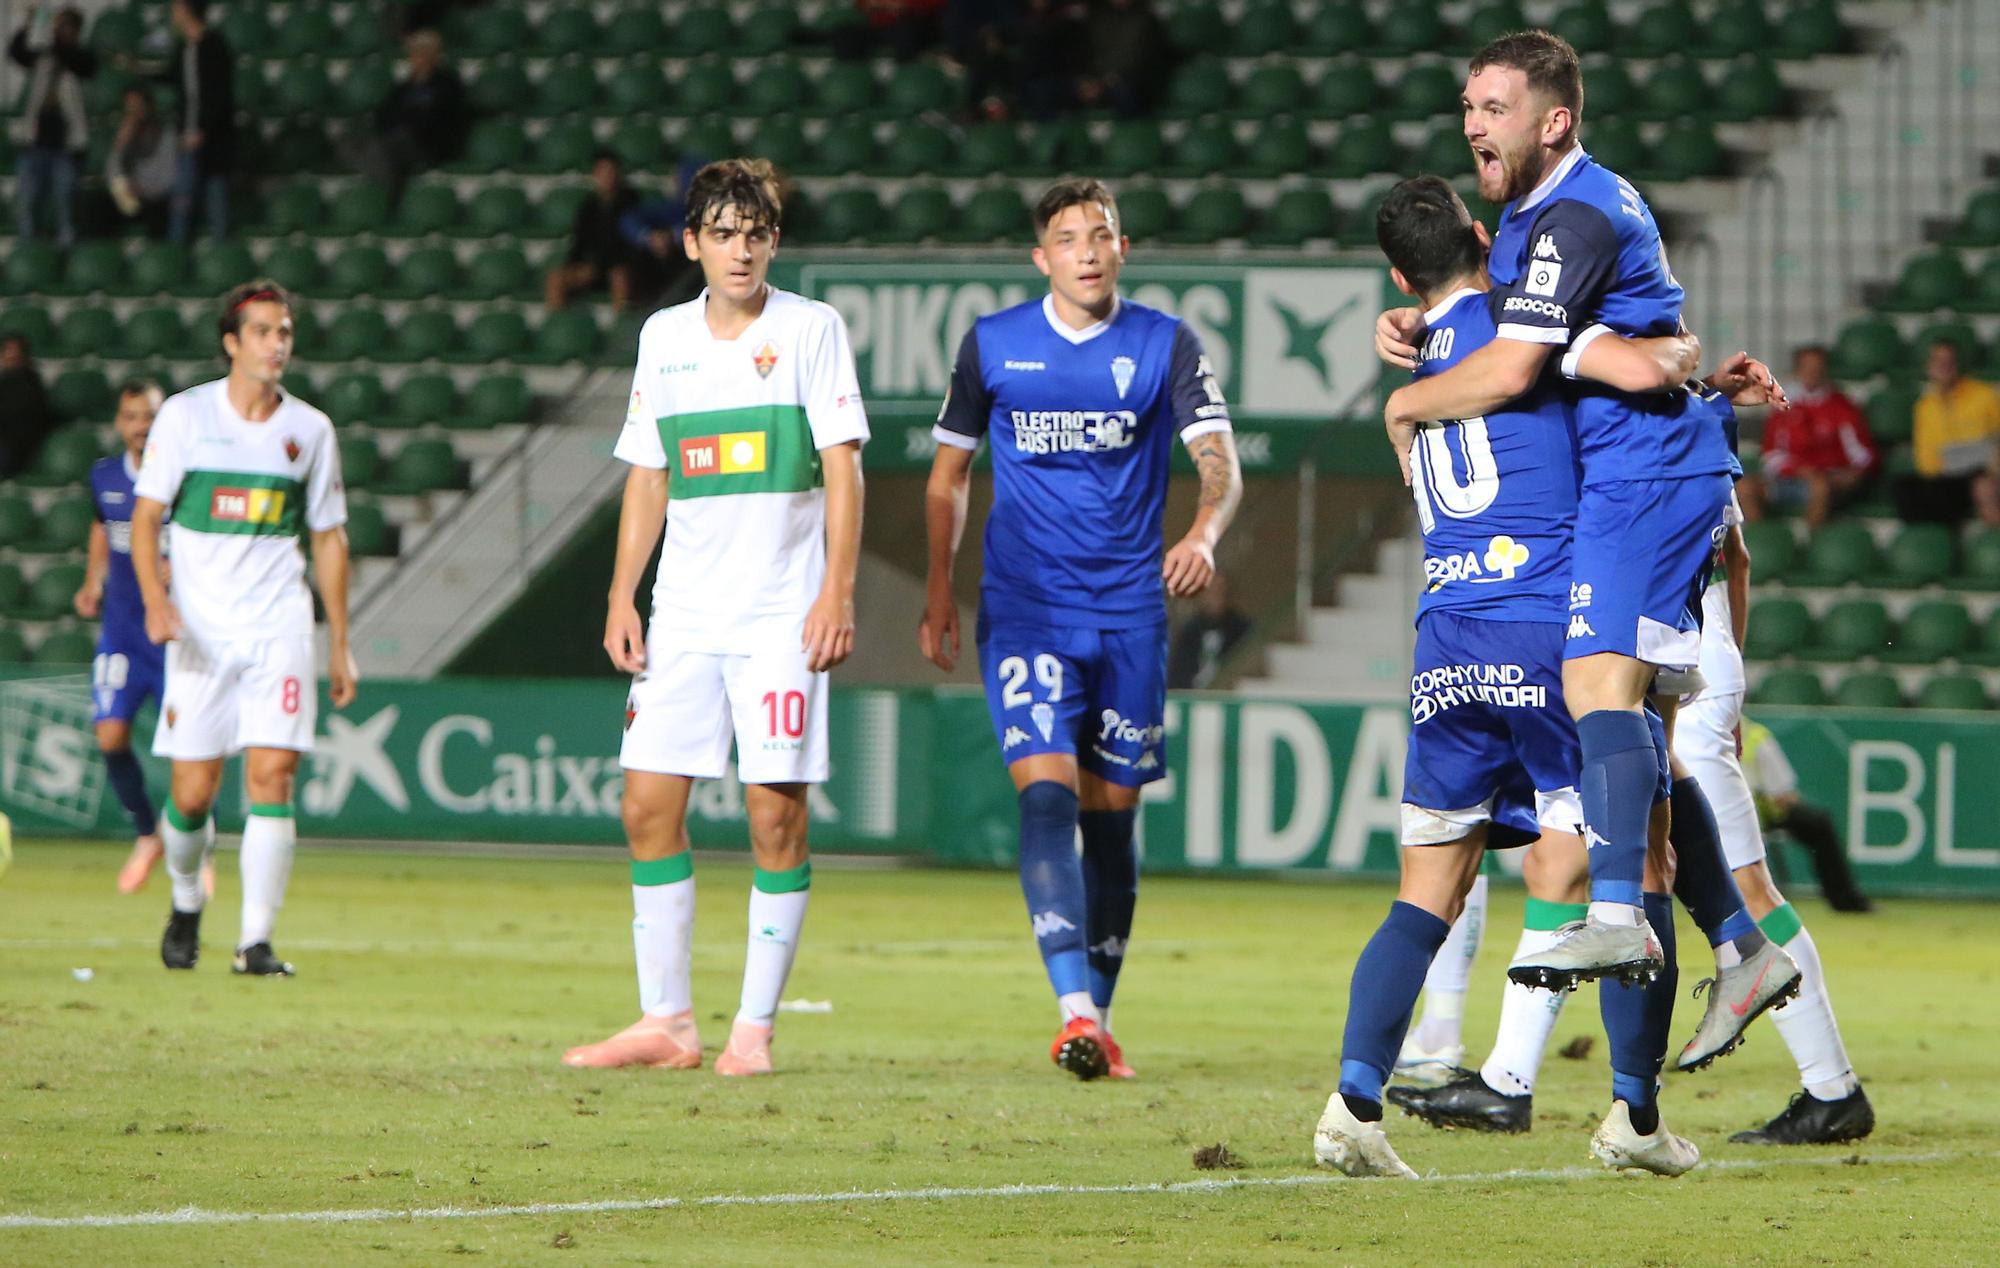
x=412 y=1066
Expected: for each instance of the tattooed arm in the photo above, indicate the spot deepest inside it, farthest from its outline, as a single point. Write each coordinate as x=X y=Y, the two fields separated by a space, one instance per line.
x=1190 y=565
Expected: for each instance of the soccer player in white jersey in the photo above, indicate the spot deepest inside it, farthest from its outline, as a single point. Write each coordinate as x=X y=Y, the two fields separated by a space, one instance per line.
x=247 y=470
x=744 y=436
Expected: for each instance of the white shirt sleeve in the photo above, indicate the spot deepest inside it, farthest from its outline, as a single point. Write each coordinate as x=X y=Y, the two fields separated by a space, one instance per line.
x=164 y=464
x=639 y=441
x=831 y=389
x=326 y=493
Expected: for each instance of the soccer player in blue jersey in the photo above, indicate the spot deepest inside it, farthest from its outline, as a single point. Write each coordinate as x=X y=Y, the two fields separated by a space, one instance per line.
x=1080 y=395
x=1578 y=255
x=1493 y=758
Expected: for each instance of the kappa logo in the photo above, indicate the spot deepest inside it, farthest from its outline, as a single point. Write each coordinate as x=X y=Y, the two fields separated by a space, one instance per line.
x=1148 y=760
x=1580 y=628
x=291 y=450
x=1051 y=922
x=1024 y=366
x=1592 y=838
x=1015 y=736
x=1122 y=371
x=1545 y=249
x=1113 y=947
x=765 y=359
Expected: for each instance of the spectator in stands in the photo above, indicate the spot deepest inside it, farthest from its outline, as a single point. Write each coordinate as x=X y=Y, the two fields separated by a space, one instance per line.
x=421 y=125
x=1051 y=33
x=981 y=36
x=1817 y=452
x=898 y=28
x=1780 y=808
x=207 y=75
x=661 y=272
x=1203 y=641
x=52 y=131
x=26 y=418
x=1957 y=446
x=598 y=253
x=1127 y=58
x=143 y=164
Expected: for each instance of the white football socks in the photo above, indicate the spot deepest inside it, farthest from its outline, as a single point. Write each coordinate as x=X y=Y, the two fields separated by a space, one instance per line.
x=1450 y=973
x=777 y=913
x=185 y=847
x=270 y=835
x=1806 y=1023
x=663 y=943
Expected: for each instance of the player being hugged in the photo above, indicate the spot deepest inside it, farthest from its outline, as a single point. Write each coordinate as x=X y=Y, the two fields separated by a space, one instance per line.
x=745 y=402
x=1081 y=395
x=247 y=470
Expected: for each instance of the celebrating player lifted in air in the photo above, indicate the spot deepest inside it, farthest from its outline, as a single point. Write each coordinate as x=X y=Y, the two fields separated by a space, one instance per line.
x=1081 y=394
x=247 y=470
x=744 y=436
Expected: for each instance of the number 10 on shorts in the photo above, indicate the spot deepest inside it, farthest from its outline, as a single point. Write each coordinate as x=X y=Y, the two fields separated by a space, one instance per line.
x=785 y=714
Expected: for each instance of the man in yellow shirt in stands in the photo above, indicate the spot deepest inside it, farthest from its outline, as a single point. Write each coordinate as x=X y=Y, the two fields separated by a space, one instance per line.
x=1956 y=443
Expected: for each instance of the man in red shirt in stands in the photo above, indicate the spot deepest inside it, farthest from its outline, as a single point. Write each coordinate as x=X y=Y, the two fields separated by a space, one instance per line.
x=1817 y=451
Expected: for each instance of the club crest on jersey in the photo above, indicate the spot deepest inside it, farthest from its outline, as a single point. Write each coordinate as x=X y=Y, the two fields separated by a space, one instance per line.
x=173 y=716
x=1044 y=717
x=731 y=453
x=765 y=358
x=631 y=712
x=1122 y=370
x=291 y=450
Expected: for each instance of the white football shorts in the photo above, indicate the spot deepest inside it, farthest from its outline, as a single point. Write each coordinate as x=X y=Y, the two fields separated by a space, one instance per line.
x=226 y=695
x=685 y=707
x=1705 y=741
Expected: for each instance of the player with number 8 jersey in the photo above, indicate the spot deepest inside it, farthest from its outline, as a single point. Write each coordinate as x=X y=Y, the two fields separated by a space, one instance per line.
x=743 y=436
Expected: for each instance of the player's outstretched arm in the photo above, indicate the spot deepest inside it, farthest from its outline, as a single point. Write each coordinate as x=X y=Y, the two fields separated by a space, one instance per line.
x=829 y=631
x=90 y=595
x=944 y=524
x=330 y=570
x=1633 y=365
x=1190 y=565
x=1747 y=381
x=163 y=620
x=640 y=520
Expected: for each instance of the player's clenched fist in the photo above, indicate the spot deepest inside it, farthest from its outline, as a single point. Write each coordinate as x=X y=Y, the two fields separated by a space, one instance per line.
x=343 y=676
x=163 y=622
x=1396 y=334
x=937 y=633
x=829 y=632
x=625 y=637
x=1189 y=567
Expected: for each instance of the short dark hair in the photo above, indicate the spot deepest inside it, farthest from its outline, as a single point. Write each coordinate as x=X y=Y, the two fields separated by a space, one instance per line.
x=197 y=9
x=1080 y=191
x=1819 y=350
x=748 y=184
x=603 y=155
x=15 y=336
x=1427 y=233
x=139 y=387
x=1945 y=341
x=1545 y=58
x=259 y=291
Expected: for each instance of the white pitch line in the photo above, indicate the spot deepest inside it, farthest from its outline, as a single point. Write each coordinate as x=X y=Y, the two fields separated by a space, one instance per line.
x=196 y=1216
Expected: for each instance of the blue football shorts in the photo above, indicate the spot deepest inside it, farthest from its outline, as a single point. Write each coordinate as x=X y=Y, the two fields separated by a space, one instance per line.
x=1641 y=557
x=1098 y=694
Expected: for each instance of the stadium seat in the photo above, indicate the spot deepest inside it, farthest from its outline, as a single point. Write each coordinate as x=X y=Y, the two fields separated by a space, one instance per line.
x=1774 y=552
x=496 y=336
x=1980 y=225
x=82 y=395
x=916 y=149
x=1979 y=568
x=33 y=268
x=919 y=88
x=641 y=30
x=570 y=335
x=1147 y=211
x=1733 y=30
x=369 y=533
x=1489 y=22
x=421 y=399
x=50 y=595
x=426 y=273
x=843 y=91
x=1213 y=214
x=88 y=332
x=299 y=88
x=922 y=212
x=990 y=149
x=296 y=208
x=1850 y=629
x=1423 y=90
x=1208 y=147
x=13 y=647
x=1930 y=632
x=17 y=525
x=637 y=87
x=160 y=333
x=551 y=217
x=1660 y=31
x=1271 y=89
x=502 y=87
x=850 y=214
x=93 y=269
x=294 y=266
x=120 y=30
x=496 y=211
x=360 y=460
x=1838 y=553
x=1750 y=87
x=565 y=88
x=357 y=271
x=219 y=266
x=354 y=397
x=997 y=214
x=362 y=207
x=1058 y=146
x=565 y=30
x=1346 y=88
x=1613 y=95
x=1952 y=691
x=425 y=335
x=497 y=30
x=1409 y=28
x=1446 y=153
x=365 y=86
x=426 y=209
x=1364 y=146
x=1868 y=689
x=566 y=145
x=1333 y=28
x=423 y=465
x=63 y=527
x=1811 y=29
x=1297 y=216
x=1985 y=295
x=496 y=400
x=1792 y=686
x=1357 y=227
x=1200 y=87
x=1919 y=555
x=1134 y=147
x=1987 y=653
x=1891 y=415
x=30 y=321
x=305 y=32
x=1588 y=27
x=1265 y=27
x=493 y=145
x=1280 y=148
x=1930 y=281
x=356 y=334
x=1688 y=150
x=1778 y=627
x=362 y=37
x=66 y=645
x=1869 y=346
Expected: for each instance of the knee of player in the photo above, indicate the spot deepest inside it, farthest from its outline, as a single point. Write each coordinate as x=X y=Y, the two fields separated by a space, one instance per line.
x=649 y=826
x=778 y=827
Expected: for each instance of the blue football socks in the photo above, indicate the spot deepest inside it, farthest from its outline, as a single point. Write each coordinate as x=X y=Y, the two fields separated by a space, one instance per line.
x=1702 y=880
x=128 y=781
x=1620 y=775
x=1387 y=980
x=1110 y=892
x=1052 y=881
x=1638 y=1020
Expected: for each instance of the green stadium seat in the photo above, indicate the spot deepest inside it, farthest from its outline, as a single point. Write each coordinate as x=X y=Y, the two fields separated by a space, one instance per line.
x=566 y=30
x=1297 y=216
x=1271 y=89
x=1791 y=686
x=428 y=334
x=640 y=144
x=782 y=140
x=1489 y=22
x=551 y=217
x=30 y=321
x=768 y=29
x=1868 y=689
x=364 y=88
x=641 y=29
x=221 y=266
x=362 y=207
x=426 y=273
x=566 y=145
x=1750 y=87
x=1214 y=213
x=118 y=31
x=1346 y=88
x=1358 y=226
x=922 y=212
x=306 y=32
x=565 y=88
x=498 y=399
x=89 y=332
x=1616 y=143
x=990 y=148
x=1892 y=415
x=496 y=336
x=1838 y=553
x=1979 y=568
x=51 y=593
x=1850 y=629
x=1778 y=627
x=1980 y=225
x=33 y=268
x=1774 y=552
x=66 y=645
x=1589 y=29
x=355 y=397
x=17 y=525
x=360 y=461
x=1200 y=87
x=82 y=395
x=501 y=88
x=369 y=533
x=1613 y=94
x=296 y=267
x=1952 y=691
x=498 y=272
x=570 y=335
x=917 y=149
x=706 y=139
x=1446 y=152
x=1057 y=146
x=850 y=214
x=1985 y=295
x=1931 y=632
x=1931 y=281
x=1424 y=90
x=1409 y=28
x=493 y=145
x=637 y=86
x=363 y=37
x=1265 y=27
x=1734 y=30
x=299 y=87
x=1674 y=90
x=356 y=334
x=1363 y=147
x=1987 y=653
x=13 y=646
x=426 y=209
x=358 y=271
x=1811 y=29
x=1208 y=147
x=1689 y=150
x=1869 y=346
x=705 y=29
x=422 y=399
x=918 y=88
x=497 y=211
x=494 y=30
x=296 y=208
x=1660 y=31
x=1147 y=212
x=1331 y=29
x=1133 y=147
x=845 y=89
x=779 y=86
x=160 y=333
x=997 y=214
x=1920 y=555
x=1280 y=148
x=93 y=269
x=423 y=465
x=65 y=526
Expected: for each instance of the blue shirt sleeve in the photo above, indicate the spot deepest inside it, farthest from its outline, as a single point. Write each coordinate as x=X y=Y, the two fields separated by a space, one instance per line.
x=1194 y=398
x=968 y=406
x=1572 y=261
